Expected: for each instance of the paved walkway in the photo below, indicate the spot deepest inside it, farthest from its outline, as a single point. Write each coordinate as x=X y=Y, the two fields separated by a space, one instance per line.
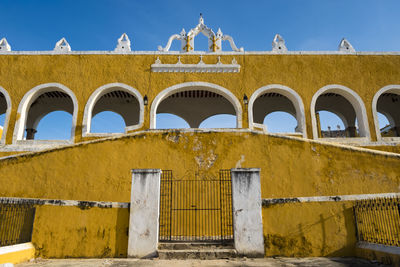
x=334 y=262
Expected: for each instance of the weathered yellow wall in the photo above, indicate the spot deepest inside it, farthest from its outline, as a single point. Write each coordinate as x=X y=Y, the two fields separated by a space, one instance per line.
x=61 y=232
x=290 y=167
x=101 y=170
x=309 y=229
x=83 y=74
x=5 y=154
x=393 y=149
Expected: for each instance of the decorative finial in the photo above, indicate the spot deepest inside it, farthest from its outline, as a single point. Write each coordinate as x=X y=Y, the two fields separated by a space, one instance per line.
x=62 y=46
x=278 y=44
x=124 y=44
x=219 y=33
x=4 y=45
x=201 y=20
x=345 y=46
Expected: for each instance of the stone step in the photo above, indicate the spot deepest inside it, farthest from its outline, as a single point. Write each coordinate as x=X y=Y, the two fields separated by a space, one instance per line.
x=199 y=254
x=194 y=245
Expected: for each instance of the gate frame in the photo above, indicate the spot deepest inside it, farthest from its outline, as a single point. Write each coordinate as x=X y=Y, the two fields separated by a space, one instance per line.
x=176 y=201
x=246 y=201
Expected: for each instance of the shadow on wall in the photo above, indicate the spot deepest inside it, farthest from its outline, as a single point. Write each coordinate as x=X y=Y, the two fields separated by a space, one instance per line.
x=319 y=229
x=122 y=233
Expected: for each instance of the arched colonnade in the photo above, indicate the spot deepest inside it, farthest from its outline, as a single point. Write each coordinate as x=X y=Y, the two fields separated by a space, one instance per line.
x=195 y=102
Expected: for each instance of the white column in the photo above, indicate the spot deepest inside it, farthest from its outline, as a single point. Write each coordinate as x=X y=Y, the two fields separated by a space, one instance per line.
x=247 y=217
x=144 y=211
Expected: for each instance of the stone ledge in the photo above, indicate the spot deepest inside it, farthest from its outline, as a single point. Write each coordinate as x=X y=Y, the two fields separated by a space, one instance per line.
x=17 y=253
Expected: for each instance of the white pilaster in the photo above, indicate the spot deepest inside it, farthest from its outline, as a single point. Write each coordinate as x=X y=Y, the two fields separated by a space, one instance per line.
x=247 y=217
x=144 y=211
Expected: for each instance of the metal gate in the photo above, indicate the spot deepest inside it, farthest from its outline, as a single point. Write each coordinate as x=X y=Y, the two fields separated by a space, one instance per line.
x=16 y=222
x=198 y=209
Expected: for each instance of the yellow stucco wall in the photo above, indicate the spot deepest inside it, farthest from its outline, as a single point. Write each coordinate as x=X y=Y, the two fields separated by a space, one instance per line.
x=83 y=74
x=61 y=232
x=5 y=154
x=101 y=170
x=290 y=167
x=393 y=149
x=309 y=229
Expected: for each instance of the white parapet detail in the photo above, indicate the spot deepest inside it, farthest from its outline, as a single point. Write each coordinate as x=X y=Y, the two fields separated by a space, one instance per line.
x=278 y=44
x=62 y=46
x=263 y=127
x=345 y=46
x=4 y=45
x=124 y=44
x=158 y=66
x=214 y=39
x=144 y=213
x=247 y=217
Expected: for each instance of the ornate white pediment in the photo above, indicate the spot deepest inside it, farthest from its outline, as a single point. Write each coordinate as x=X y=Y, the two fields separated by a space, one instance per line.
x=158 y=66
x=214 y=39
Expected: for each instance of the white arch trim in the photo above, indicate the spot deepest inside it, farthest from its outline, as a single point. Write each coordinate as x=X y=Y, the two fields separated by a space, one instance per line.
x=207 y=86
x=30 y=97
x=354 y=99
x=287 y=92
x=96 y=95
x=393 y=88
x=7 y=118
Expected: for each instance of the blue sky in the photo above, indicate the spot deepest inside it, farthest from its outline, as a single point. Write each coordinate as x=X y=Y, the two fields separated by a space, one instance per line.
x=305 y=25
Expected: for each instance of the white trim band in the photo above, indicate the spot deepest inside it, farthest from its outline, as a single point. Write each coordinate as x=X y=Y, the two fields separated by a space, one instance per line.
x=273 y=201
x=59 y=202
x=16 y=248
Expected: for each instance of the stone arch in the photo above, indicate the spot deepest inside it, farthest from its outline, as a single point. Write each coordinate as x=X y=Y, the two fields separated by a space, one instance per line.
x=7 y=101
x=96 y=96
x=288 y=93
x=31 y=96
x=196 y=86
x=349 y=95
x=389 y=110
